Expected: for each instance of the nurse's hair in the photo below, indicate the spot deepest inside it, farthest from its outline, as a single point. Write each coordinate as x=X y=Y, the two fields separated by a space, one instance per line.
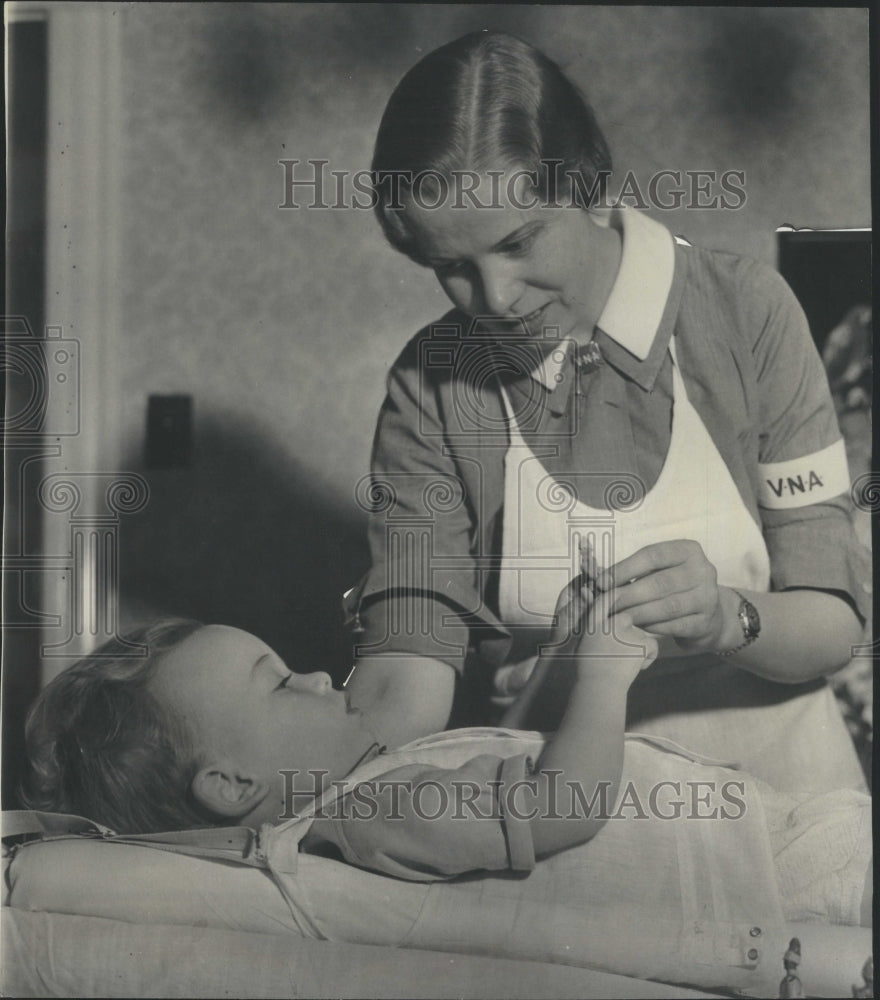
x=486 y=101
x=101 y=745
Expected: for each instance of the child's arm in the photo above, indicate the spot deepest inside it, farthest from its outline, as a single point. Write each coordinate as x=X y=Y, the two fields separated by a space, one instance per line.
x=437 y=825
x=545 y=691
x=586 y=754
x=403 y=698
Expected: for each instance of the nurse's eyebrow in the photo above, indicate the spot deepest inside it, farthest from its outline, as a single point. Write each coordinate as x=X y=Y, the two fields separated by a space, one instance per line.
x=524 y=232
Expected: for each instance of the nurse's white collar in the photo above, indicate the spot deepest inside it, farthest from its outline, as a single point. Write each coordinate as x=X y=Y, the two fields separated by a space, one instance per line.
x=635 y=307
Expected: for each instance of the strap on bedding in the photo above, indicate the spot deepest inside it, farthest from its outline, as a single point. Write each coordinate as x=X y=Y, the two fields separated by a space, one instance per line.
x=20 y=822
x=239 y=844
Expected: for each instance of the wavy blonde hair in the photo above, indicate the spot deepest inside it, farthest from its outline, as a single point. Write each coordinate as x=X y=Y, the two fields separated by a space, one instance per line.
x=101 y=745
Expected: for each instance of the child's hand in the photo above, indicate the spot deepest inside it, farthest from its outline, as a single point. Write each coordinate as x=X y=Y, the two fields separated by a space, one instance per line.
x=613 y=645
x=572 y=609
x=573 y=604
x=594 y=641
x=602 y=655
x=584 y=630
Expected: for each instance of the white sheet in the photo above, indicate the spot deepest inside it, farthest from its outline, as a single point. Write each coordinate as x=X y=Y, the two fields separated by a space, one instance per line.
x=56 y=955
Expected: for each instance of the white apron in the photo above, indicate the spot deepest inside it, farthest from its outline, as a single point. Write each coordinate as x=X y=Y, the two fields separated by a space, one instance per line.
x=792 y=737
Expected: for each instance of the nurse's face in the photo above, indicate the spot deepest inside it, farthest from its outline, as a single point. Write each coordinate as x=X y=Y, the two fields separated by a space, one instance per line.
x=550 y=266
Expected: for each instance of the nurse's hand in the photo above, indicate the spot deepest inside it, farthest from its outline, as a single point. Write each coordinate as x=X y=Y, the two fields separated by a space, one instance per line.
x=671 y=589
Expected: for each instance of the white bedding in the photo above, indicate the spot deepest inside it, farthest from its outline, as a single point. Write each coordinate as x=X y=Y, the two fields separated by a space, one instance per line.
x=693 y=904
x=94 y=918
x=59 y=955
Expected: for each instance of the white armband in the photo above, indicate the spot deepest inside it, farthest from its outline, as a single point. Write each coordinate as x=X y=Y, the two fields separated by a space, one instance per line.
x=802 y=481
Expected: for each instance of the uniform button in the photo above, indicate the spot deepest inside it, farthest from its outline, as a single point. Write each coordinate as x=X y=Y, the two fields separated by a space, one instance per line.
x=753 y=954
x=755 y=932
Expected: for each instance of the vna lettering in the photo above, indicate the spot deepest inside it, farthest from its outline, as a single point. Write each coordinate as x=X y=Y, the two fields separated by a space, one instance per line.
x=795 y=484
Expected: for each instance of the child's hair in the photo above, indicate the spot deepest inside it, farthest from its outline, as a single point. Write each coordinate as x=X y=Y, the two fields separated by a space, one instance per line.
x=485 y=101
x=100 y=744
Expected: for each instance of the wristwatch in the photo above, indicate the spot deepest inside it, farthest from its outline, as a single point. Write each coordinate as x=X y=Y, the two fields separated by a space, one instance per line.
x=749 y=620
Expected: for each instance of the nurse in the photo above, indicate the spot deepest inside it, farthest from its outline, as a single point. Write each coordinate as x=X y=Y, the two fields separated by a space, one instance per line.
x=596 y=382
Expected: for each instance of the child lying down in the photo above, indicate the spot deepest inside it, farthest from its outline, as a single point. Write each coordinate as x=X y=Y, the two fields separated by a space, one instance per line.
x=591 y=847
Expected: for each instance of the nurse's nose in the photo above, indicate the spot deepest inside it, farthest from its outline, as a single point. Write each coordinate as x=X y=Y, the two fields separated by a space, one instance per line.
x=501 y=287
x=316 y=683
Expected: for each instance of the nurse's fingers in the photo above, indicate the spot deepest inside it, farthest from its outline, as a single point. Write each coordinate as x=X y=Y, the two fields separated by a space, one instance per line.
x=690 y=627
x=671 y=609
x=651 y=588
x=651 y=558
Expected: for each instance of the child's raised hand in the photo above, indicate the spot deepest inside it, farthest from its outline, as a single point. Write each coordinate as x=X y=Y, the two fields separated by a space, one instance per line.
x=597 y=641
x=573 y=605
x=572 y=608
x=613 y=644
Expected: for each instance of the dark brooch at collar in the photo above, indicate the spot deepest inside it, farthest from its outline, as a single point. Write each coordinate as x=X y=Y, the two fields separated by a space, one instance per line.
x=588 y=358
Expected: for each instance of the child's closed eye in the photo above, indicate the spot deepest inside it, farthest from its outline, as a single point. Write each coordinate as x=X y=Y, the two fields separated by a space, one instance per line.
x=283 y=682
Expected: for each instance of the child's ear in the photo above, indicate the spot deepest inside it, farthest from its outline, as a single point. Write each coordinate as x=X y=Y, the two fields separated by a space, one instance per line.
x=226 y=790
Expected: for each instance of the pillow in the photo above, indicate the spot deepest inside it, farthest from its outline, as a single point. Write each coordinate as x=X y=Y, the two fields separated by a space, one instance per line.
x=145 y=885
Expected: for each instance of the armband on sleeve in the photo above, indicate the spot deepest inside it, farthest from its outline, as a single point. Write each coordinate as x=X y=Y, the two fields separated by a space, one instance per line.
x=810 y=479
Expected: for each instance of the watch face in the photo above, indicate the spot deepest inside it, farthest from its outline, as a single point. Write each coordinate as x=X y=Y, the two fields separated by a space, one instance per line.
x=751 y=618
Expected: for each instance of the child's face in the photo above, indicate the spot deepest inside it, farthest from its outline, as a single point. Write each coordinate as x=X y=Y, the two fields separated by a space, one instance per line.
x=243 y=705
